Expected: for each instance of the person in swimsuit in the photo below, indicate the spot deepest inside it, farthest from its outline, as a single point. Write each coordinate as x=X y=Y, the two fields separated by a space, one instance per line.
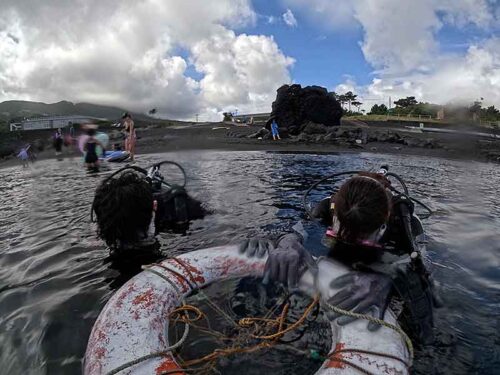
x=130 y=136
x=90 y=147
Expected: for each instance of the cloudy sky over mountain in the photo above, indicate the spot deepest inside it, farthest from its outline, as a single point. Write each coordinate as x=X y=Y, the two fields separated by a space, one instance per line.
x=196 y=56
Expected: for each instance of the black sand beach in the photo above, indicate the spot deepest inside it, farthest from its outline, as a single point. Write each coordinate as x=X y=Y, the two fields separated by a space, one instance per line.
x=351 y=136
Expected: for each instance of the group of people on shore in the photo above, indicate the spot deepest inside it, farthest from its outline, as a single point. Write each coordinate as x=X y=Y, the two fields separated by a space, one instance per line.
x=90 y=145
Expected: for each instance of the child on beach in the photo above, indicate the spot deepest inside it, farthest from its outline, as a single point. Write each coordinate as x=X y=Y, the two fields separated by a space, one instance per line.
x=24 y=156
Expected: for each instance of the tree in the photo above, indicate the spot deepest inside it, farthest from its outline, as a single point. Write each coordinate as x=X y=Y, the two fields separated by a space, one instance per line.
x=379 y=109
x=491 y=111
x=357 y=104
x=228 y=116
x=349 y=98
x=475 y=110
x=409 y=101
x=342 y=100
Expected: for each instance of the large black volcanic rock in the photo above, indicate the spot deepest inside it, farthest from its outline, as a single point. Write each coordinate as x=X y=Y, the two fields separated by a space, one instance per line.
x=296 y=106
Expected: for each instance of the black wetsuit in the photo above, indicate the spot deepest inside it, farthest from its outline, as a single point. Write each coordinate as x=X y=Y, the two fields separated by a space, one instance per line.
x=91 y=155
x=412 y=283
x=176 y=208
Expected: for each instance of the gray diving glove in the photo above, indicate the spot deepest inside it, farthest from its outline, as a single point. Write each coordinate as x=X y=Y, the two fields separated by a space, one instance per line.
x=361 y=293
x=288 y=261
x=256 y=247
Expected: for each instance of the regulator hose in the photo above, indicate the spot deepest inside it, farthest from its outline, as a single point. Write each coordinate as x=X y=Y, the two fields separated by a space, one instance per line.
x=155 y=168
x=338 y=174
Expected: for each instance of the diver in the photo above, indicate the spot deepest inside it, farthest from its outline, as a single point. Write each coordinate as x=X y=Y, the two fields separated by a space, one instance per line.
x=373 y=230
x=133 y=205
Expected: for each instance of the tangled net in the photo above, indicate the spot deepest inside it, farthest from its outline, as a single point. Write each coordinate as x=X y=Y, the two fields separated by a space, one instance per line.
x=252 y=334
x=249 y=335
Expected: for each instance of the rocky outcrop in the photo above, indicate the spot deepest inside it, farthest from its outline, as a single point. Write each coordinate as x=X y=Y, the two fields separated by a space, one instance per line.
x=295 y=106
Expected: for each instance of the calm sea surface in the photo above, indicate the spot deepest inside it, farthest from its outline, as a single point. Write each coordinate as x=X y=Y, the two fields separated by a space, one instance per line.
x=55 y=275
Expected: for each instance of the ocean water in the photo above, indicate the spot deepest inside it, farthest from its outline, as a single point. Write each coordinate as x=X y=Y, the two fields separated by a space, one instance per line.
x=56 y=275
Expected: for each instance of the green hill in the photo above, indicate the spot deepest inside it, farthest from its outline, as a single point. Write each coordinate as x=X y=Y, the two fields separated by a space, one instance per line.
x=18 y=109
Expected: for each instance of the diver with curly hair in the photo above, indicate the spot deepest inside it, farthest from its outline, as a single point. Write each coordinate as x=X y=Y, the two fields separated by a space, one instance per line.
x=132 y=206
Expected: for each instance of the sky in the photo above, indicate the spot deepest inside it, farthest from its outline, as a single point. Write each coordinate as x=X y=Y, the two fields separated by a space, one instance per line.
x=188 y=57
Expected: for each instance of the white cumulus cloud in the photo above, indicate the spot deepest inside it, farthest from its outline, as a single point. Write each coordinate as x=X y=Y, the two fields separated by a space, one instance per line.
x=335 y=15
x=179 y=56
x=289 y=18
x=400 y=40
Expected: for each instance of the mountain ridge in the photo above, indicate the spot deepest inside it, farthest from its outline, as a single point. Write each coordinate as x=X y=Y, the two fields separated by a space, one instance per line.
x=19 y=109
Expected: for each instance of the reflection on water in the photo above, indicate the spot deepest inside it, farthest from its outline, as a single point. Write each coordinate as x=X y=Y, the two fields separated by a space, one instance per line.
x=55 y=275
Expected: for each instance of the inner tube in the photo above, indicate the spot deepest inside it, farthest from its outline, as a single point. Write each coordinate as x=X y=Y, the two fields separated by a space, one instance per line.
x=116 y=156
x=134 y=323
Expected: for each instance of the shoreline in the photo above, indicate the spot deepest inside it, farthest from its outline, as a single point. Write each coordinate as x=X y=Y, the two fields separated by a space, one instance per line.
x=348 y=138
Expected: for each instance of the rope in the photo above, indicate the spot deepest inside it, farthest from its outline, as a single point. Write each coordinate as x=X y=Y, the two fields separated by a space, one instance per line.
x=370 y=318
x=280 y=333
x=228 y=318
x=169 y=349
x=153 y=355
x=182 y=314
x=370 y=352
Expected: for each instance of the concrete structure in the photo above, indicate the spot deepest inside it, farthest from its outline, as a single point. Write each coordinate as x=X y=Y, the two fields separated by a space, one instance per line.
x=51 y=122
x=257 y=117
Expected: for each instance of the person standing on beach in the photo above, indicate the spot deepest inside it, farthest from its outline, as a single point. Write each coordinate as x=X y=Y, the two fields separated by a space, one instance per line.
x=130 y=136
x=58 y=141
x=275 y=130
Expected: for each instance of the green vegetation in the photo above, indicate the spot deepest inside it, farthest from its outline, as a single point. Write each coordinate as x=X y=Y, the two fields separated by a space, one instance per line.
x=228 y=117
x=4 y=126
x=379 y=110
x=351 y=100
x=409 y=109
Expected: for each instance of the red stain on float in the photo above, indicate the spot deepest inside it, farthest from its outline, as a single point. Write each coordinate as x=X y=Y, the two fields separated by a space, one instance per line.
x=194 y=274
x=99 y=353
x=182 y=283
x=225 y=266
x=335 y=359
x=168 y=364
x=119 y=301
x=101 y=336
x=146 y=299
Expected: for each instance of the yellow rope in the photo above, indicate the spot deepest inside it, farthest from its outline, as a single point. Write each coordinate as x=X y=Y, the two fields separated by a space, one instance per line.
x=280 y=322
x=280 y=333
